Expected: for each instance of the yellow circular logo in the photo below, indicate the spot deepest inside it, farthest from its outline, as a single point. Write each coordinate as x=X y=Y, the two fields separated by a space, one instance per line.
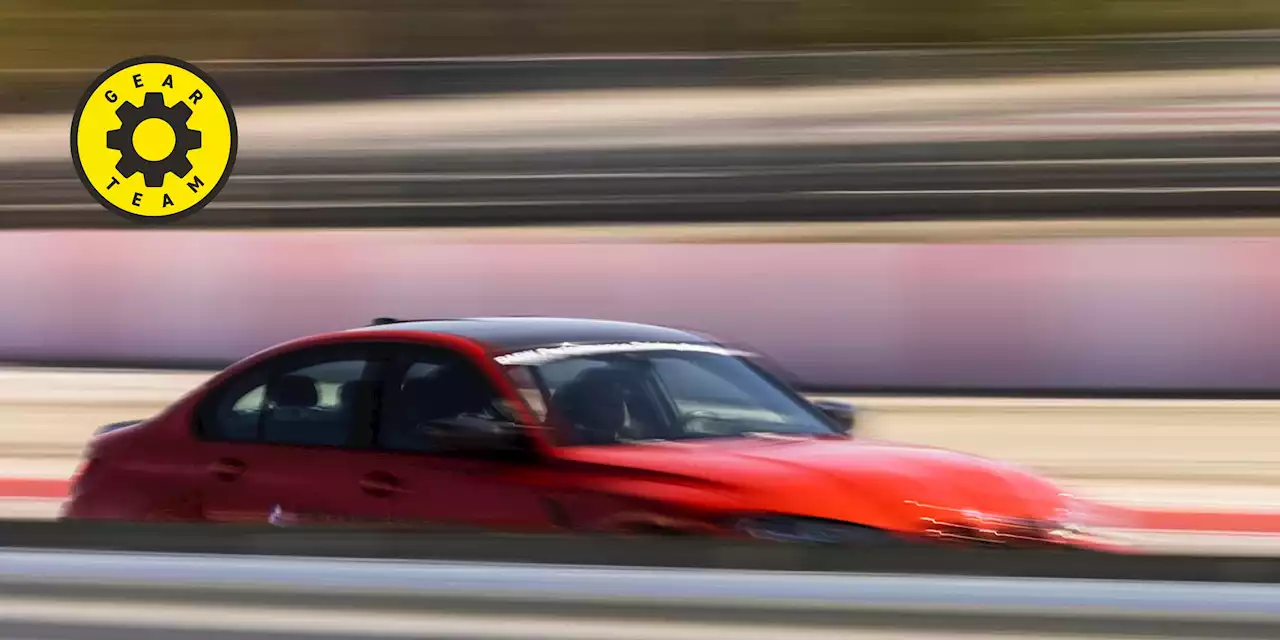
x=153 y=139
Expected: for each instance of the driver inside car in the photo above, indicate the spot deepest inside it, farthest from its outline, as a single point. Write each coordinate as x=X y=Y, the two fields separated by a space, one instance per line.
x=597 y=407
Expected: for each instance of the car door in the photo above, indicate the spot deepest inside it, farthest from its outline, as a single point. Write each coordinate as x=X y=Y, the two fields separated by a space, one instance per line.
x=288 y=441
x=501 y=492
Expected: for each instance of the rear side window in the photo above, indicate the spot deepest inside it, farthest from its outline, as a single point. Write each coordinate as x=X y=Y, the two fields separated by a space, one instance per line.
x=307 y=402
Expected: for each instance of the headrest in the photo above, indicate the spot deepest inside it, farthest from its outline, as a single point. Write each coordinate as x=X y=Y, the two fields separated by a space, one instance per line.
x=590 y=390
x=293 y=391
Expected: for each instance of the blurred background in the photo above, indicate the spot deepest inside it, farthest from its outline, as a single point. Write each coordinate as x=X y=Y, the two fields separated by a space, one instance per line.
x=893 y=199
x=1042 y=231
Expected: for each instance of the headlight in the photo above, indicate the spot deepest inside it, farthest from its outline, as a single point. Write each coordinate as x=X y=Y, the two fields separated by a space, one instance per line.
x=813 y=530
x=1068 y=531
x=1064 y=528
x=1089 y=537
x=1071 y=524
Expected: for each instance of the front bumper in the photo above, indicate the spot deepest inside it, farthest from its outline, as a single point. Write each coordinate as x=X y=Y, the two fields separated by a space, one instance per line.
x=967 y=532
x=971 y=529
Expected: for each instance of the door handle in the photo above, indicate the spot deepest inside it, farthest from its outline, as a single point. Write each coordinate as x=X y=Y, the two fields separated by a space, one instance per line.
x=227 y=469
x=381 y=485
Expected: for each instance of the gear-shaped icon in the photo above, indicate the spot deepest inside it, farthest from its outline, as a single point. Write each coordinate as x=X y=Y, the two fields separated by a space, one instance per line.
x=184 y=139
x=153 y=139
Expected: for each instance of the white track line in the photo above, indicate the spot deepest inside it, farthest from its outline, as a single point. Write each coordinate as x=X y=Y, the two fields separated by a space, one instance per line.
x=29 y=509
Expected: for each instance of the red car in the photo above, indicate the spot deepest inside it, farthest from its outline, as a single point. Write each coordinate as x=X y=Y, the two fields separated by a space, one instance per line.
x=546 y=424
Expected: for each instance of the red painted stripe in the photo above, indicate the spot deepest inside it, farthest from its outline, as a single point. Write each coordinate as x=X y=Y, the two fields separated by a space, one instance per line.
x=49 y=488
x=1226 y=522
x=1185 y=520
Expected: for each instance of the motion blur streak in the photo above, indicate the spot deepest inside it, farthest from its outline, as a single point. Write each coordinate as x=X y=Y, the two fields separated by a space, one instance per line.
x=295 y=80
x=1121 y=315
x=194 y=592
x=1093 y=146
x=27 y=619
x=1210 y=452
x=786 y=121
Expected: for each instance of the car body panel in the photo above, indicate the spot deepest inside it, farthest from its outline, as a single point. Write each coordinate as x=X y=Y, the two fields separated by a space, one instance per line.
x=877 y=484
x=159 y=469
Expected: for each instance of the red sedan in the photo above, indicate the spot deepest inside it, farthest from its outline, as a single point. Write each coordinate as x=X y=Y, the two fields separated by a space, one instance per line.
x=542 y=424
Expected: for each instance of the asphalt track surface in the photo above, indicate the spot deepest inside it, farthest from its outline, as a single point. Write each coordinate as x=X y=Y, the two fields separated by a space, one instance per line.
x=1171 y=175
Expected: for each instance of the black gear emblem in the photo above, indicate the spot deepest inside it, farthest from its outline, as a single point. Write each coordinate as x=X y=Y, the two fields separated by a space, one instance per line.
x=184 y=139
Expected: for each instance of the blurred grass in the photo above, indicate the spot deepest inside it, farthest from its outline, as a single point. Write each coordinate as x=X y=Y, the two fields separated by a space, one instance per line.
x=87 y=33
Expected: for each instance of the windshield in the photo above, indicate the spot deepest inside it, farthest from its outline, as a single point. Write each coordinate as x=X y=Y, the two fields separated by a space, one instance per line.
x=661 y=395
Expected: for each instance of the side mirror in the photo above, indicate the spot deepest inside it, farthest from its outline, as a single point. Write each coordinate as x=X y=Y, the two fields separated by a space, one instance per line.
x=468 y=435
x=842 y=413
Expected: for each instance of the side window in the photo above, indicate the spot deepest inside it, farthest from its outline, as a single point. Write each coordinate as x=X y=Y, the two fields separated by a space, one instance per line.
x=318 y=403
x=431 y=391
x=315 y=405
x=238 y=413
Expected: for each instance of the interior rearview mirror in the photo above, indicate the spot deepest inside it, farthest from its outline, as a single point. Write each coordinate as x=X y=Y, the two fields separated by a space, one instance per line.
x=842 y=413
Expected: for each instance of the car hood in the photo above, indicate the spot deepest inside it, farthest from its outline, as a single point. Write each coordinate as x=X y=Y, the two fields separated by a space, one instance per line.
x=875 y=483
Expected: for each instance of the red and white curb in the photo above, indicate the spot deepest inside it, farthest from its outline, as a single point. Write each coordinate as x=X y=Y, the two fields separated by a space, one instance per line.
x=31 y=498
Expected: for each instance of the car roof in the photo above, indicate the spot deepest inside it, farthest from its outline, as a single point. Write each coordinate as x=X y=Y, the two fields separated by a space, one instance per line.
x=512 y=333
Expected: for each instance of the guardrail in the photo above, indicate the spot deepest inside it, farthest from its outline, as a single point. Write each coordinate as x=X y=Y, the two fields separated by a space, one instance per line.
x=775 y=603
